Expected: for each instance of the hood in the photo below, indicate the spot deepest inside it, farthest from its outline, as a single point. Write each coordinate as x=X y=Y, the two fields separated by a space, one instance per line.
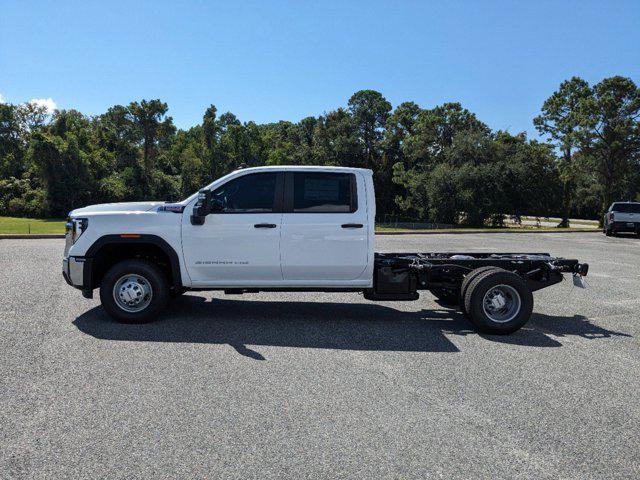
x=116 y=207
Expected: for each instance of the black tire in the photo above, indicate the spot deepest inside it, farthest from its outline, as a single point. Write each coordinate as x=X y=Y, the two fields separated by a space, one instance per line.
x=467 y=281
x=176 y=292
x=150 y=273
x=509 y=282
x=446 y=296
x=608 y=232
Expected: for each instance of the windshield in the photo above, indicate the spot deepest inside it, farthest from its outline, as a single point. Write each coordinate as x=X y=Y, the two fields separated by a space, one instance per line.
x=626 y=207
x=218 y=180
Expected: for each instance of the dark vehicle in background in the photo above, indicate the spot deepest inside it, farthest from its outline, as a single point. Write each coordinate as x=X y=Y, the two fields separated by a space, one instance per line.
x=622 y=217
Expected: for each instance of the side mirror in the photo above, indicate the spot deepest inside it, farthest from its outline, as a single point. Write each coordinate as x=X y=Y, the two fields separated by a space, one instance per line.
x=202 y=207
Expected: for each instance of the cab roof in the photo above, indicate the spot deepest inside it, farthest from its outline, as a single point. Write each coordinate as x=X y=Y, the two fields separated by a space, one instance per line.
x=305 y=168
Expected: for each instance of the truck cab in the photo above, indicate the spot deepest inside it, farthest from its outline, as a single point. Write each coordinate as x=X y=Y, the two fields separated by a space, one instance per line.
x=283 y=227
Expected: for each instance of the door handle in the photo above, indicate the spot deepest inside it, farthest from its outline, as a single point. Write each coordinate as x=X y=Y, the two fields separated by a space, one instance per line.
x=265 y=225
x=352 y=225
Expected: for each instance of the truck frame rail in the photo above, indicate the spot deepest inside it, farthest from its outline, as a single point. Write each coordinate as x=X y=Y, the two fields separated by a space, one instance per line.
x=399 y=276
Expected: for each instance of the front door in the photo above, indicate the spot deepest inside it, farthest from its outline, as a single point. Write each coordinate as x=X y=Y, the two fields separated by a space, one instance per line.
x=240 y=245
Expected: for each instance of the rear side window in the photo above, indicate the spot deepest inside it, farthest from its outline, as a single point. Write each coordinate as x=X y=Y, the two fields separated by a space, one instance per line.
x=254 y=193
x=324 y=193
x=626 y=207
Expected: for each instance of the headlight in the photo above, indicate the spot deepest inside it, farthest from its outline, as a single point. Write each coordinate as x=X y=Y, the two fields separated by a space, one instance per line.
x=76 y=227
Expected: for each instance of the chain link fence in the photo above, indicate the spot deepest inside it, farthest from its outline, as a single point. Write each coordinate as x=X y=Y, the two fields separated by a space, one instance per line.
x=394 y=221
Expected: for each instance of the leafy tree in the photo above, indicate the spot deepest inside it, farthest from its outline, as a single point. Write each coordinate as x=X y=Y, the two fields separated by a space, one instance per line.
x=447 y=134
x=561 y=120
x=434 y=131
x=17 y=124
x=369 y=110
x=227 y=120
x=63 y=169
x=336 y=140
x=279 y=141
x=23 y=196
x=11 y=141
x=528 y=174
x=304 y=135
x=438 y=164
x=400 y=125
x=152 y=128
x=611 y=137
x=211 y=128
x=116 y=133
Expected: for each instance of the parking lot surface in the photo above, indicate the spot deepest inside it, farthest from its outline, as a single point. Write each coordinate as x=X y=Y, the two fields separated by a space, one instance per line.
x=318 y=385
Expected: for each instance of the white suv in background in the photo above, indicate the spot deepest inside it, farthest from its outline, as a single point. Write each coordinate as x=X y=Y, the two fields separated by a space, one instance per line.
x=622 y=217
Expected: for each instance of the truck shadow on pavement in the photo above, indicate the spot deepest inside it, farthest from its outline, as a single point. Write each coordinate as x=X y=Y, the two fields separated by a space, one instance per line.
x=341 y=326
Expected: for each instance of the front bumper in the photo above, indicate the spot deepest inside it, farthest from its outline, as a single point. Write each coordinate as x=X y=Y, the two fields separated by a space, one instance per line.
x=73 y=271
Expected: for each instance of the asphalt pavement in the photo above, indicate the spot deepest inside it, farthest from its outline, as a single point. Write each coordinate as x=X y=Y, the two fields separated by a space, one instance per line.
x=317 y=385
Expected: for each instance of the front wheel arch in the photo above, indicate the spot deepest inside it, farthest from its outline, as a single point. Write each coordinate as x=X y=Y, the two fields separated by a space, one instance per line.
x=109 y=250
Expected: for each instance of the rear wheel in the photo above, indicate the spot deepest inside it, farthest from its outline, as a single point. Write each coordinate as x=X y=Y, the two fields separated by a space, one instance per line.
x=467 y=281
x=498 y=302
x=134 y=291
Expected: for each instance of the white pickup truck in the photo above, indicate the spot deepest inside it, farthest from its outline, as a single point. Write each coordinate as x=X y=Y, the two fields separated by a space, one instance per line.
x=285 y=229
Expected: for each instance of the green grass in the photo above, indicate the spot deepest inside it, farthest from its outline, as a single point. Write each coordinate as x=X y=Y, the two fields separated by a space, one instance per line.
x=15 y=225
x=523 y=228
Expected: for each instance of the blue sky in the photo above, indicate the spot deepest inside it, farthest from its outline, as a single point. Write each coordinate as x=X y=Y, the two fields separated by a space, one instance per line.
x=268 y=61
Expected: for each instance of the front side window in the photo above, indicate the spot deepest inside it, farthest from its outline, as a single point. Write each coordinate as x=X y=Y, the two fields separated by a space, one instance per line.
x=323 y=193
x=254 y=193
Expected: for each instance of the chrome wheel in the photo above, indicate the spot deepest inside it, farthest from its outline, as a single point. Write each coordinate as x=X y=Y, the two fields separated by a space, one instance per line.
x=132 y=293
x=501 y=303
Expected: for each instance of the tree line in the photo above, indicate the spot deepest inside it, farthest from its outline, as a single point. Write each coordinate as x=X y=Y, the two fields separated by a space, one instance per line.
x=438 y=164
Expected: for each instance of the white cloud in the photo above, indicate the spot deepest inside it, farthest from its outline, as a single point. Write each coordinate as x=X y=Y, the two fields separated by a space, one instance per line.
x=47 y=103
x=1 y=98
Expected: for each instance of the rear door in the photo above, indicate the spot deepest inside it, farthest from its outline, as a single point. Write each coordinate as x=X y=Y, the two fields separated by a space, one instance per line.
x=324 y=227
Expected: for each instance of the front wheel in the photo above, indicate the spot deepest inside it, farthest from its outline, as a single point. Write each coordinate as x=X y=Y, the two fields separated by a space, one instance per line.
x=498 y=302
x=134 y=291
